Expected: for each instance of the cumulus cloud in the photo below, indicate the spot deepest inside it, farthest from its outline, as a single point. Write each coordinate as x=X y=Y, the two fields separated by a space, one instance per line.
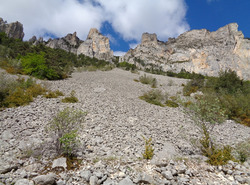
x=129 y=18
x=58 y=17
x=119 y=53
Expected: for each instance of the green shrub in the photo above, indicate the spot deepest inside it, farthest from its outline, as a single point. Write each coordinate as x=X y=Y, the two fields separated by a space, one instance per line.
x=71 y=98
x=209 y=109
x=243 y=151
x=227 y=81
x=53 y=94
x=148 y=80
x=193 y=86
x=154 y=97
x=17 y=98
x=35 y=65
x=69 y=142
x=18 y=92
x=127 y=66
x=149 y=150
x=215 y=156
x=171 y=103
x=65 y=126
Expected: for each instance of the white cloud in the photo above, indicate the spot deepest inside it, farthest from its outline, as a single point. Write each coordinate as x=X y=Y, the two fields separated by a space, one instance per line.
x=133 y=45
x=119 y=53
x=58 y=17
x=112 y=39
x=129 y=18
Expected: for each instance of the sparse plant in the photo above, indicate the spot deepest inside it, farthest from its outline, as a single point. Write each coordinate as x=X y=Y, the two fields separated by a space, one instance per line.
x=148 y=80
x=243 y=151
x=65 y=126
x=154 y=97
x=149 y=150
x=71 y=99
x=170 y=82
x=53 y=94
x=171 y=103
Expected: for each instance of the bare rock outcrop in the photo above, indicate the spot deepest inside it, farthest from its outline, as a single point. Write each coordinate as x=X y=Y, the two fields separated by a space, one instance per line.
x=96 y=45
x=12 y=30
x=68 y=43
x=199 y=51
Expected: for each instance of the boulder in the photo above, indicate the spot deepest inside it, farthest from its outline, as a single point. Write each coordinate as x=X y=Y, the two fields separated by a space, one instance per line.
x=49 y=179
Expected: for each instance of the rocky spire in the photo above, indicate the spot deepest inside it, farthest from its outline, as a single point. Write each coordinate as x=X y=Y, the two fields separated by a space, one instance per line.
x=12 y=30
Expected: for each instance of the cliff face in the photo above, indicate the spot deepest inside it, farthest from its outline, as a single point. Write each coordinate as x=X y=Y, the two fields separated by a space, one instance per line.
x=96 y=45
x=12 y=30
x=68 y=43
x=198 y=51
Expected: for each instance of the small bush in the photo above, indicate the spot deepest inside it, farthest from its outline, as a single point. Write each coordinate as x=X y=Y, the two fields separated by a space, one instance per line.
x=209 y=109
x=149 y=150
x=53 y=94
x=243 y=151
x=65 y=126
x=71 y=98
x=18 y=92
x=170 y=103
x=148 y=80
x=127 y=66
x=170 y=82
x=17 y=98
x=154 y=97
x=193 y=86
x=215 y=156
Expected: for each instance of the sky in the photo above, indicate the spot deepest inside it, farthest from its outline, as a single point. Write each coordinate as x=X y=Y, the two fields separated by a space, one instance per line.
x=124 y=21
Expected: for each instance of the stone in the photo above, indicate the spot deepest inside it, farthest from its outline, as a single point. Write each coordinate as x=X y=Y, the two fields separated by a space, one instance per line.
x=12 y=30
x=126 y=181
x=93 y=180
x=60 y=163
x=109 y=182
x=199 y=51
x=49 y=179
x=85 y=175
x=144 y=178
x=168 y=175
x=24 y=182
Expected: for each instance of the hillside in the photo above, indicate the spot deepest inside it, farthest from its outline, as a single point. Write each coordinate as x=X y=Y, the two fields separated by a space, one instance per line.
x=111 y=137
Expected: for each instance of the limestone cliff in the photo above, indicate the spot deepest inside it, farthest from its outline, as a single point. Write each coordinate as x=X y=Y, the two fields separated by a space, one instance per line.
x=68 y=43
x=199 y=51
x=12 y=30
x=96 y=45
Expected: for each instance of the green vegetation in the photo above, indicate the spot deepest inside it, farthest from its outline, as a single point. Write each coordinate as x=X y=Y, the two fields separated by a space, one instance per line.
x=18 y=57
x=149 y=150
x=243 y=151
x=70 y=99
x=127 y=66
x=53 y=94
x=148 y=80
x=154 y=97
x=215 y=155
x=65 y=126
x=18 y=92
x=227 y=92
x=171 y=103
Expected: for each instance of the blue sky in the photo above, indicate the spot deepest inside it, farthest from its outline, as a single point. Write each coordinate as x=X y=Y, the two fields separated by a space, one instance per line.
x=124 y=21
